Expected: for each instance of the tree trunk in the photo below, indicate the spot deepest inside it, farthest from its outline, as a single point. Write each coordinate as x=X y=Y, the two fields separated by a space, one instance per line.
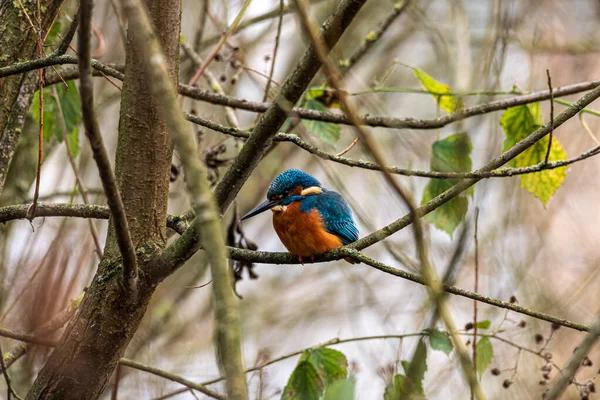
x=18 y=43
x=80 y=366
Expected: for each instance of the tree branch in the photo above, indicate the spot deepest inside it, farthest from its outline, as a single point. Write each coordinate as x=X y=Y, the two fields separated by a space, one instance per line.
x=92 y=130
x=259 y=107
x=295 y=139
x=207 y=222
x=172 y=377
x=174 y=222
x=579 y=354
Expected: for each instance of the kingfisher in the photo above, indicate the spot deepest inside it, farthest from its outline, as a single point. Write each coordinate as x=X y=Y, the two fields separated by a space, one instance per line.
x=309 y=219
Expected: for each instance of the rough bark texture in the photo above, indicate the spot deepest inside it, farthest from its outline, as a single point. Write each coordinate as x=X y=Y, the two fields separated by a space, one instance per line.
x=79 y=368
x=17 y=43
x=145 y=147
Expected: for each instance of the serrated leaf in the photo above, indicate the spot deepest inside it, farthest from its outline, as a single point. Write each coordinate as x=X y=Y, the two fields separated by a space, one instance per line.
x=485 y=354
x=446 y=103
x=304 y=383
x=342 y=389
x=518 y=123
x=452 y=154
x=484 y=324
x=395 y=389
x=329 y=363
x=440 y=341
x=324 y=131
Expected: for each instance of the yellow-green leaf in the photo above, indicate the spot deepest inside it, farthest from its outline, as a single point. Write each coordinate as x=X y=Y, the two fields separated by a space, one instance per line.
x=440 y=92
x=452 y=154
x=518 y=123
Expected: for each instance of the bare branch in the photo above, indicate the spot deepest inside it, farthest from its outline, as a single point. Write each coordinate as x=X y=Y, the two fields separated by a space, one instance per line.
x=172 y=377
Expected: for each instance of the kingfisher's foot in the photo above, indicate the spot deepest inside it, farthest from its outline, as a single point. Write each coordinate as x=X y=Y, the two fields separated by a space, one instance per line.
x=312 y=258
x=300 y=259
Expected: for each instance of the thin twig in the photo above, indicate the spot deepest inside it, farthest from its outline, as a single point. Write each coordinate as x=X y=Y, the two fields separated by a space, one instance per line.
x=38 y=32
x=274 y=56
x=347 y=149
x=92 y=130
x=10 y=391
x=373 y=36
x=475 y=289
x=75 y=168
x=172 y=377
x=551 y=117
x=222 y=41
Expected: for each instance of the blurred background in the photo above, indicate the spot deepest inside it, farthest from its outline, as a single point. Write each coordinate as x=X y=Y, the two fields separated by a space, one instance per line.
x=545 y=256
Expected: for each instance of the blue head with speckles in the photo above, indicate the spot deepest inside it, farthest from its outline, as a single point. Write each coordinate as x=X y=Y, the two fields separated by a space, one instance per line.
x=289 y=180
x=284 y=190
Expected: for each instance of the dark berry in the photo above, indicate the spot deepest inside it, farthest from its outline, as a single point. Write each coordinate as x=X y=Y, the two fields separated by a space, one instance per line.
x=539 y=338
x=496 y=371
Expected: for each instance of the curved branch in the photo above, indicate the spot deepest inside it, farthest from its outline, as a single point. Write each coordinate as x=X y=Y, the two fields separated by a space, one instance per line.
x=295 y=139
x=303 y=113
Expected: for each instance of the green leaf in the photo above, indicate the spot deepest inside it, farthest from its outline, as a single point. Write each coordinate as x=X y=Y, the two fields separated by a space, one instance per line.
x=484 y=324
x=324 y=131
x=417 y=368
x=71 y=109
x=330 y=364
x=485 y=354
x=446 y=103
x=50 y=114
x=518 y=123
x=452 y=154
x=394 y=390
x=304 y=384
x=440 y=341
x=342 y=389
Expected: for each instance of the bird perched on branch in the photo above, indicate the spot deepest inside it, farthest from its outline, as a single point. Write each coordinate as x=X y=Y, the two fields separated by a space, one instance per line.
x=309 y=219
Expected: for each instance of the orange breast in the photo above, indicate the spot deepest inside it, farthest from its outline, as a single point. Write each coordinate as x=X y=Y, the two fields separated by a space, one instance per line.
x=303 y=234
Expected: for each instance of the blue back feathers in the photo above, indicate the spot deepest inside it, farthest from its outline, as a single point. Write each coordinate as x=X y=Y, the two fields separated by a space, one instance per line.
x=332 y=207
x=335 y=213
x=290 y=180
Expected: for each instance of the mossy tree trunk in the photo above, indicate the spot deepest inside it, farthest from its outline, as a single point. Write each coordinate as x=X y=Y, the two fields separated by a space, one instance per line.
x=80 y=366
x=18 y=42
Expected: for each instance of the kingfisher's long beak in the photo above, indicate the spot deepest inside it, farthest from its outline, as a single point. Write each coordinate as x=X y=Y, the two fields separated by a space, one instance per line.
x=264 y=206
